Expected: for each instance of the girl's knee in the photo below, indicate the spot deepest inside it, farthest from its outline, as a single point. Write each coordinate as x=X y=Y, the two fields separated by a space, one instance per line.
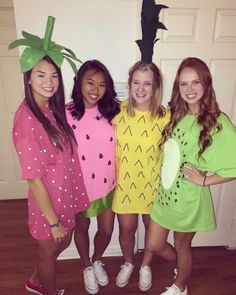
x=128 y=231
x=127 y=234
x=155 y=247
x=108 y=233
x=105 y=233
x=48 y=255
x=181 y=244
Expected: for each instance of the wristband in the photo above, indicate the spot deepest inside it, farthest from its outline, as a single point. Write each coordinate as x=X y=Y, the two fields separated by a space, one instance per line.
x=204 y=181
x=55 y=224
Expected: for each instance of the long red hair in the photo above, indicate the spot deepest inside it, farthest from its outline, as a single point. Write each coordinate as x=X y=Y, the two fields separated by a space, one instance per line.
x=209 y=109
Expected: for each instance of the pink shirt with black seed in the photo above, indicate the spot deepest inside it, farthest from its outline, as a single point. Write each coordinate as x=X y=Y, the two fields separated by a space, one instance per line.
x=96 y=148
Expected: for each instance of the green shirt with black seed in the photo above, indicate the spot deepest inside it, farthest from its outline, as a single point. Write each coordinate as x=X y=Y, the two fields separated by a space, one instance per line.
x=181 y=205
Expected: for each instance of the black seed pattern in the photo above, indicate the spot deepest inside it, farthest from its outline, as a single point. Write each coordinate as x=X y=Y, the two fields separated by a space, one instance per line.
x=100 y=156
x=87 y=137
x=173 y=196
x=93 y=176
x=73 y=126
x=83 y=158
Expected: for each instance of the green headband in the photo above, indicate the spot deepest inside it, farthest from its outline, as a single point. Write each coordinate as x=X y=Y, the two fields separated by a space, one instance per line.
x=150 y=24
x=37 y=48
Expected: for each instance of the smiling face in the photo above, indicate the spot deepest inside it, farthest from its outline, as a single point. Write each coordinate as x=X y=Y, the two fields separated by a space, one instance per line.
x=191 y=89
x=44 y=82
x=93 y=87
x=142 y=89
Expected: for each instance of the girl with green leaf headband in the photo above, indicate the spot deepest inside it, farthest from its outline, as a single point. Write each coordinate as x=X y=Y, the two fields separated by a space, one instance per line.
x=38 y=48
x=47 y=151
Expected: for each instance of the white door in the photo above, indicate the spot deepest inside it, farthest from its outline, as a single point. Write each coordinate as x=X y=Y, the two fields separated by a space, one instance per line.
x=205 y=29
x=11 y=93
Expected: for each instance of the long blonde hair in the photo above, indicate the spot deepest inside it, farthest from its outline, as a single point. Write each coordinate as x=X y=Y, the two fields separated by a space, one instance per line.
x=156 y=100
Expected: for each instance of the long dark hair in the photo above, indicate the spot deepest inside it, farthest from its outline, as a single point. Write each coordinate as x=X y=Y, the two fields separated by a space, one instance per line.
x=157 y=110
x=64 y=134
x=108 y=105
x=209 y=109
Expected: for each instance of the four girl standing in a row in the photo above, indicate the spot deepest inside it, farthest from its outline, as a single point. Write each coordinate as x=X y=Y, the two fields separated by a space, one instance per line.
x=197 y=140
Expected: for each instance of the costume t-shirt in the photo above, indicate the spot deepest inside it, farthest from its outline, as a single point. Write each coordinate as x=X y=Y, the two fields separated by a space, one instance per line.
x=59 y=171
x=96 y=148
x=138 y=160
x=181 y=205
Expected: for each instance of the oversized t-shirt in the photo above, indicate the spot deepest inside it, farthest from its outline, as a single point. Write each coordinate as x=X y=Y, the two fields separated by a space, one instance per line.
x=138 y=160
x=96 y=148
x=59 y=171
x=181 y=205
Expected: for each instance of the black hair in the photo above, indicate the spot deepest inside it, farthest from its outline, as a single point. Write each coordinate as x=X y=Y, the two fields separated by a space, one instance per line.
x=108 y=105
x=64 y=134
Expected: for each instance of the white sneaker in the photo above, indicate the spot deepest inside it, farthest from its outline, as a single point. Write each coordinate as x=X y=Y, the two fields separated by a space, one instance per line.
x=145 y=278
x=100 y=273
x=174 y=290
x=124 y=274
x=90 y=281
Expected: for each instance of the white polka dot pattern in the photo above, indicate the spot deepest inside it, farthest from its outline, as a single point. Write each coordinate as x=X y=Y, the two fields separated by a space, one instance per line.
x=40 y=159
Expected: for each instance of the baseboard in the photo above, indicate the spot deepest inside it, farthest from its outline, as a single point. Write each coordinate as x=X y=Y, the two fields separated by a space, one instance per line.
x=72 y=253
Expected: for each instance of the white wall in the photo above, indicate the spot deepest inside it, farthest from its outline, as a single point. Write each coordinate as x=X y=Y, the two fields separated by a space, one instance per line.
x=104 y=30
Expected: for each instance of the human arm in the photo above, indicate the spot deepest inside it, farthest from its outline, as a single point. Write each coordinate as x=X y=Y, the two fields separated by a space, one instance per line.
x=201 y=178
x=42 y=198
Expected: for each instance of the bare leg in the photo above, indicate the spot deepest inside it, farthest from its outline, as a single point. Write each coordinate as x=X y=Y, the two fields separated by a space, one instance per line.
x=147 y=256
x=105 y=222
x=184 y=258
x=81 y=238
x=128 y=225
x=49 y=250
x=157 y=242
x=34 y=278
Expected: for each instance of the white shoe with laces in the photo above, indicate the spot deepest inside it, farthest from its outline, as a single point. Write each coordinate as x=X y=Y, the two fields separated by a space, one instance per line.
x=100 y=273
x=124 y=274
x=90 y=281
x=145 y=278
x=174 y=290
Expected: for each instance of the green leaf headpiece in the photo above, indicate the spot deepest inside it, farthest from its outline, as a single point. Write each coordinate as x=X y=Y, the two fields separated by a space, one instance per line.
x=37 y=48
x=150 y=24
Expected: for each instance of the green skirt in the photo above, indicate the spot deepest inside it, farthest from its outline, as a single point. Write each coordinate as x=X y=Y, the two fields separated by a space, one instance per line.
x=99 y=206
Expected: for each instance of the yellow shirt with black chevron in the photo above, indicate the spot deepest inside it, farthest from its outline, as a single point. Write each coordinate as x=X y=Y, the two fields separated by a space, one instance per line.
x=138 y=160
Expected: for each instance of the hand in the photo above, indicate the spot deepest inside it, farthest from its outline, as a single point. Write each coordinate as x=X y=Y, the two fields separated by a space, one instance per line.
x=193 y=175
x=60 y=234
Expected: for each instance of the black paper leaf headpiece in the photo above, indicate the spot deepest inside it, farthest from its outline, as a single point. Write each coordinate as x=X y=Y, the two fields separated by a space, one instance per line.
x=150 y=24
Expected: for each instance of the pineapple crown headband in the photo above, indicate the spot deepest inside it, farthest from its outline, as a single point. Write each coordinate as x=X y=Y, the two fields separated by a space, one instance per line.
x=150 y=24
x=38 y=48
